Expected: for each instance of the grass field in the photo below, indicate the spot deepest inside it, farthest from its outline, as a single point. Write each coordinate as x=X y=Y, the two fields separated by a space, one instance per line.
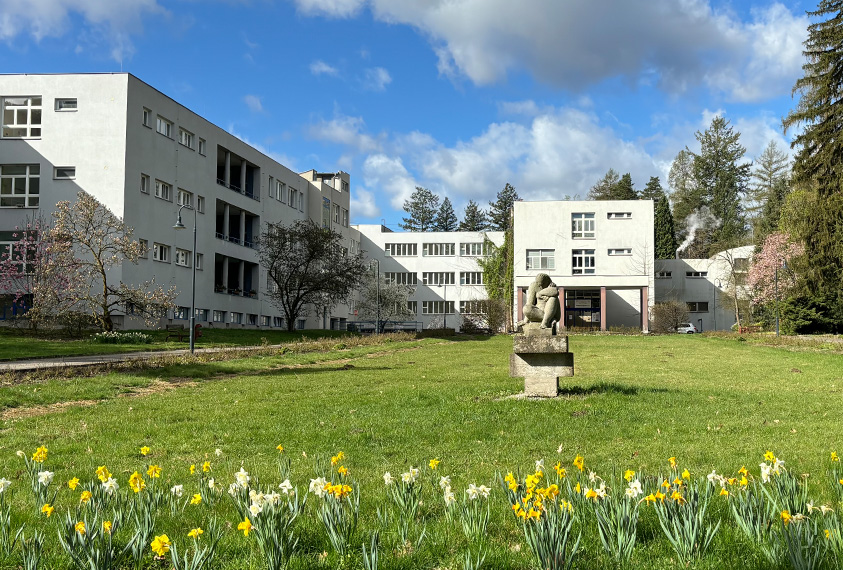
x=713 y=403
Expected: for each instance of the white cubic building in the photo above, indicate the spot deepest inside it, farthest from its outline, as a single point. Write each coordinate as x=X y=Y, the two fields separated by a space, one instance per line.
x=598 y=253
x=143 y=155
x=440 y=266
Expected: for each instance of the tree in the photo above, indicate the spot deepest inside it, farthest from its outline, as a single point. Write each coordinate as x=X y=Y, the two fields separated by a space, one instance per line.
x=664 y=231
x=308 y=266
x=446 y=220
x=500 y=211
x=624 y=189
x=685 y=192
x=736 y=296
x=423 y=205
x=604 y=188
x=771 y=213
x=474 y=219
x=100 y=241
x=653 y=190
x=772 y=170
x=499 y=273
x=390 y=302
x=771 y=275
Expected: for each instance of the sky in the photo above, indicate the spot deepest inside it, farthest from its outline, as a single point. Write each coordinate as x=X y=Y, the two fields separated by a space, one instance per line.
x=458 y=96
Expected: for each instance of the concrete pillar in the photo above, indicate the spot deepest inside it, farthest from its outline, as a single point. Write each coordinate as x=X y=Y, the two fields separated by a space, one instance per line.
x=225 y=229
x=242 y=276
x=243 y=176
x=561 y=306
x=242 y=226
x=520 y=303
x=227 y=174
x=645 y=309
x=602 y=308
x=225 y=273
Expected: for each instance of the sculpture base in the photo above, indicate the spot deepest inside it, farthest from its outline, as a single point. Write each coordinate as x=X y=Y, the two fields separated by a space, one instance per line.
x=541 y=359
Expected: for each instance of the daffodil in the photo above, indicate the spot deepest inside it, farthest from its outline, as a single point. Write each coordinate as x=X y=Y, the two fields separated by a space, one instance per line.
x=433 y=464
x=161 y=545
x=786 y=517
x=85 y=497
x=242 y=477
x=4 y=484
x=73 y=483
x=144 y=451
x=136 y=482
x=473 y=492
x=218 y=451
x=192 y=469
x=154 y=471
x=206 y=467
x=103 y=474
x=80 y=527
x=579 y=462
x=280 y=448
x=47 y=509
x=743 y=471
x=343 y=470
x=195 y=533
x=286 y=487
x=650 y=498
x=768 y=456
x=561 y=472
x=629 y=474
x=197 y=498
x=245 y=526
x=177 y=490
x=444 y=482
x=834 y=456
x=317 y=486
x=686 y=475
x=45 y=477
x=672 y=461
x=110 y=486
x=40 y=455
x=106 y=527
x=724 y=493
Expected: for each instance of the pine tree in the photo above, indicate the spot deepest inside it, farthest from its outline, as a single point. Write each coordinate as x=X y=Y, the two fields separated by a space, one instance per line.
x=604 y=187
x=653 y=190
x=422 y=206
x=474 y=219
x=771 y=166
x=500 y=211
x=446 y=220
x=768 y=221
x=624 y=189
x=665 y=233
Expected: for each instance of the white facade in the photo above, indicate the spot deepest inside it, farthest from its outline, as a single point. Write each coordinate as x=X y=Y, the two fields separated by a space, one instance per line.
x=142 y=155
x=598 y=253
x=441 y=266
x=706 y=285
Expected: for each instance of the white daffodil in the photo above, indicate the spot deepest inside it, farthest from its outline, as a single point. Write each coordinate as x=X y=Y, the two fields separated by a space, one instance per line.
x=286 y=487
x=634 y=489
x=177 y=490
x=712 y=477
x=473 y=492
x=777 y=466
x=450 y=498
x=484 y=491
x=212 y=484
x=540 y=465
x=317 y=486
x=110 y=486
x=255 y=509
x=45 y=477
x=242 y=478
x=4 y=484
x=444 y=482
x=272 y=498
x=765 y=473
x=232 y=489
x=388 y=479
x=218 y=452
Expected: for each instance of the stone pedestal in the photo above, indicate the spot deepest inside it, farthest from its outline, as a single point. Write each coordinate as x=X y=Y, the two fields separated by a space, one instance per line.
x=541 y=358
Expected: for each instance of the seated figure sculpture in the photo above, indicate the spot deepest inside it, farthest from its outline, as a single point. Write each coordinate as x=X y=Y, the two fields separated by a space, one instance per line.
x=542 y=304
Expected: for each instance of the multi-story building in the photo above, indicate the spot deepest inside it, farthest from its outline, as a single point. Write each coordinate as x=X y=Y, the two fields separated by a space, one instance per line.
x=441 y=267
x=143 y=155
x=598 y=253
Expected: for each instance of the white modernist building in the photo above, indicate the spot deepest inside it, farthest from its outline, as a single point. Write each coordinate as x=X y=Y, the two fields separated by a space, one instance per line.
x=440 y=266
x=143 y=155
x=598 y=253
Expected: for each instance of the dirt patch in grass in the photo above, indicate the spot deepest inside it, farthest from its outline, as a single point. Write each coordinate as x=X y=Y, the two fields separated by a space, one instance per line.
x=13 y=414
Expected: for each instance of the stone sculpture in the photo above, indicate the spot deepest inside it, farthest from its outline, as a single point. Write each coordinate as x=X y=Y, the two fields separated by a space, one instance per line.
x=542 y=304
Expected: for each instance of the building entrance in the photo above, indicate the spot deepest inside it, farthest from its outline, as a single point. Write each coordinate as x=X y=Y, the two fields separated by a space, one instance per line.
x=582 y=308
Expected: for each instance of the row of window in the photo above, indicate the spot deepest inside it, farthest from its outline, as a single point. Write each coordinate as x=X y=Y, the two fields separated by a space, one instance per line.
x=164 y=191
x=20 y=184
x=688 y=274
x=286 y=194
x=474 y=249
x=582 y=223
x=165 y=254
x=166 y=127
x=183 y=313
x=434 y=278
x=582 y=260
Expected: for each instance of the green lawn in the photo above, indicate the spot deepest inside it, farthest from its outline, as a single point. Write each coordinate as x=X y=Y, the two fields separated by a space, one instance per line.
x=714 y=403
x=16 y=345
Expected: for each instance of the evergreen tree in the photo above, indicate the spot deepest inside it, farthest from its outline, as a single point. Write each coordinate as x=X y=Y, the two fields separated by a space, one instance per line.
x=446 y=220
x=474 y=219
x=605 y=187
x=768 y=221
x=653 y=190
x=624 y=190
x=771 y=167
x=422 y=206
x=665 y=233
x=500 y=211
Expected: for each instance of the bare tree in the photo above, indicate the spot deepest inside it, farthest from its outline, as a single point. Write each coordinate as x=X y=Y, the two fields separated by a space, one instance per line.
x=389 y=301
x=100 y=241
x=308 y=266
x=668 y=315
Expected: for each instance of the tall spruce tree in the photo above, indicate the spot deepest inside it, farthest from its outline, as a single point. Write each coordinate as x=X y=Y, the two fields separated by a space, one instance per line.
x=624 y=189
x=815 y=209
x=474 y=219
x=423 y=205
x=653 y=190
x=500 y=211
x=664 y=231
x=771 y=166
x=446 y=220
x=769 y=219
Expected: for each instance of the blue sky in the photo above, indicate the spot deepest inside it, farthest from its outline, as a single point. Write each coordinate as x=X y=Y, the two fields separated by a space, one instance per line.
x=460 y=96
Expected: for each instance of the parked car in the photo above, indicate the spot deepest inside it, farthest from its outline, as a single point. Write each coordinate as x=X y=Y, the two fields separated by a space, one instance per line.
x=686 y=328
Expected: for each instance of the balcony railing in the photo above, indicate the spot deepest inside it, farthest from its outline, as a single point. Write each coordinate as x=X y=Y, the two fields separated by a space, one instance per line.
x=239 y=190
x=235 y=292
x=232 y=239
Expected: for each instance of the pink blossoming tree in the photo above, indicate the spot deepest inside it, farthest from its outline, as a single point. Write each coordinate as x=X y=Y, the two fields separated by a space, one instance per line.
x=777 y=252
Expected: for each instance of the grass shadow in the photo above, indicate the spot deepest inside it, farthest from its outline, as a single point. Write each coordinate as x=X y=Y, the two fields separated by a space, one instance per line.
x=607 y=388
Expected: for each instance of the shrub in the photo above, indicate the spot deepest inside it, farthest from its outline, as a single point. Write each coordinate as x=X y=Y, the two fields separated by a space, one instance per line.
x=115 y=337
x=668 y=314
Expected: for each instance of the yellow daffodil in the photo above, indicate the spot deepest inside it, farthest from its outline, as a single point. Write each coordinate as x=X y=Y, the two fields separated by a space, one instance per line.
x=827 y=534
x=197 y=498
x=206 y=467
x=192 y=469
x=768 y=456
x=73 y=483
x=651 y=498
x=686 y=475
x=85 y=497
x=144 y=451
x=161 y=545
x=195 y=533
x=433 y=464
x=666 y=484
x=103 y=474
x=245 y=526
x=744 y=482
x=677 y=482
x=677 y=496
x=510 y=481
x=342 y=470
x=579 y=462
x=154 y=471
x=280 y=448
x=834 y=456
x=743 y=471
x=724 y=493
x=106 y=527
x=47 y=509
x=80 y=527
x=660 y=496
x=578 y=489
x=40 y=455
x=560 y=471
x=672 y=461
x=786 y=517
x=629 y=474
x=136 y=482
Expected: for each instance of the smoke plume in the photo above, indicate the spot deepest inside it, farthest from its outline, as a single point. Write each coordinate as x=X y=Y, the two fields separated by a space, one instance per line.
x=700 y=218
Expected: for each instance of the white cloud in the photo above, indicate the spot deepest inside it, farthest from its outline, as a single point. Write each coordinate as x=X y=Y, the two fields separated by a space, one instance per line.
x=363 y=204
x=388 y=174
x=253 y=102
x=376 y=79
x=346 y=131
x=332 y=8
x=112 y=22
x=319 y=67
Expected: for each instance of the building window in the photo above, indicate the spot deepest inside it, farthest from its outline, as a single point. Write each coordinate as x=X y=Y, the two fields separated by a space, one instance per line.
x=326 y=213
x=476 y=307
x=20 y=185
x=471 y=278
x=182 y=257
x=277 y=322
x=66 y=104
x=300 y=324
x=336 y=214
x=696 y=274
x=401 y=278
x=219 y=316
x=740 y=265
x=181 y=313
x=251 y=319
x=582 y=225
x=164 y=127
x=438 y=278
x=202 y=146
x=201 y=314
x=664 y=274
x=279 y=190
x=541 y=259
x=200 y=204
x=437 y=307
x=147 y=118
x=291 y=198
x=144 y=248
x=264 y=320
x=619 y=215
x=343 y=186
x=582 y=262
x=345 y=217
x=621 y=251
x=161 y=252
x=301 y=201
x=400 y=249
x=199 y=260
x=21 y=117
x=185 y=198
x=163 y=190
x=144 y=187
x=236 y=318
x=697 y=306
x=413 y=307
x=64 y=173
x=476 y=249
x=271 y=187
x=186 y=138
x=438 y=249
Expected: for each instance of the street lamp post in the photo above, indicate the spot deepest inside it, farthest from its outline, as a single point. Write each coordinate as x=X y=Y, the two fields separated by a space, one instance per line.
x=717 y=285
x=180 y=226
x=777 y=298
x=378 y=293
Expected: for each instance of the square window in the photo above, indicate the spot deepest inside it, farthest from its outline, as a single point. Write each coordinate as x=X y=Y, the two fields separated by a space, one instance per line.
x=185 y=198
x=582 y=225
x=186 y=138
x=21 y=117
x=161 y=252
x=163 y=190
x=582 y=262
x=182 y=257
x=20 y=185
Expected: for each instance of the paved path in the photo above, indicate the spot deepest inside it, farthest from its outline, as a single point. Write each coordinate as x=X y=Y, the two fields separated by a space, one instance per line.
x=95 y=359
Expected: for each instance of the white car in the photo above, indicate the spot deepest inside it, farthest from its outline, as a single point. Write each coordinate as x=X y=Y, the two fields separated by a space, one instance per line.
x=686 y=328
